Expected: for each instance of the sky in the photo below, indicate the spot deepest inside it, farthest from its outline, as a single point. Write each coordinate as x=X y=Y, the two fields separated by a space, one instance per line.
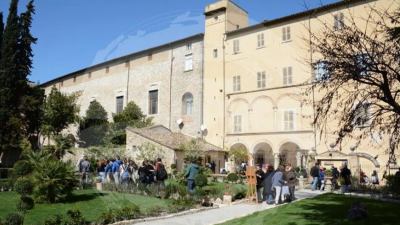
x=74 y=34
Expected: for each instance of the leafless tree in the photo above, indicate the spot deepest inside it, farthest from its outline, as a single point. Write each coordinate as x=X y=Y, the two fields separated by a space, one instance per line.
x=358 y=77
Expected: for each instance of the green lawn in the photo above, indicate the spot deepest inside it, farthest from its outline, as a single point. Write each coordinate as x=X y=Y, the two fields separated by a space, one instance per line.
x=90 y=202
x=328 y=209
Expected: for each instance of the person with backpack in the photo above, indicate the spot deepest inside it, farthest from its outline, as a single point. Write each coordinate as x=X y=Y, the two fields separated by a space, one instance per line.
x=291 y=180
x=161 y=176
x=260 y=177
x=125 y=173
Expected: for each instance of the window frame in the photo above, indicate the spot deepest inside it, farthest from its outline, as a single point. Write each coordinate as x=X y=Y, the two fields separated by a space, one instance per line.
x=286 y=34
x=236 y=83
x=119 y=105
x=338 y=21
x=289 y=125
x=260 y=40
x=188 y=65
x=236 y=46
x=366 y=121
x=185 y=100
x=237 y=124
x=150 y=99
x=317 y=68
x=287 y=75
x=261 y=79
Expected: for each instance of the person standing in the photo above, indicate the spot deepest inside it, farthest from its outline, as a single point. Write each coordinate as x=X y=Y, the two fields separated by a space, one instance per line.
x=191 y=172
x=161 y=176
x=125 y=173
x=335 y=176
x=345 y=174
x=260 y=177
x=115 y=170
x=267 y=183
x=314 y=172
x=374 y=178
x=277 y=182
x=291 y=180
x=84 y=169
x=322 y=178
x=101 y=170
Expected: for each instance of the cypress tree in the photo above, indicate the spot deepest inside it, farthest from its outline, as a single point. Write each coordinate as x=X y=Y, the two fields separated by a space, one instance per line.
x=9 y=101
x=1 y=30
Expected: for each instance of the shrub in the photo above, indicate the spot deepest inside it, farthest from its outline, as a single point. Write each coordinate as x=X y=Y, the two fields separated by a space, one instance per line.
x=201 y=180
x=174 y=187
x=393 y=185
x=14 y=219
x=180 y=205
x=54 y=180
x=55 y=220
x=232 y=177
x=22 y=168
x=154 y=211
x=216 y=190
x=5 y=184
x=127 y=213
x=239 y=191
x=23 y=186
x=74 y=217
x=25 y=203
x=106 y=218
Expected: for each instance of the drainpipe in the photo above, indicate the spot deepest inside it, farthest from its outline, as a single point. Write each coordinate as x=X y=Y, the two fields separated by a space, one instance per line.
x=127 y=82
x=202 y=90
x=170 y=86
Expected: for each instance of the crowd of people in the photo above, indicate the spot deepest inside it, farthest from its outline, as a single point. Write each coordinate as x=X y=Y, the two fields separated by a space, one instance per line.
x=318 y=175
x=124 y=172
x=275 y=186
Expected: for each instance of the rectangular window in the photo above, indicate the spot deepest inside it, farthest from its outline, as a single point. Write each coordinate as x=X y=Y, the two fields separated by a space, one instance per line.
x=189 y=62
x=119 y=104
x=215 y=53
x=361 y=64
x=260 y=40
x=153 y=102
x=288 y=120
x=150 y=56
x=189 y=47
x=237 y=126
x=261 y=79
x=90 y=75
x=320 y=71
x=236 y=83
x=286 y=36
x=362 y=117
x=236 y=47
x=287 y=75
x=338 y=21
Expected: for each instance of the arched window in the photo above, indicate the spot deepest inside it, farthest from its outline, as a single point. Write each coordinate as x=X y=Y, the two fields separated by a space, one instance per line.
x=187 y=104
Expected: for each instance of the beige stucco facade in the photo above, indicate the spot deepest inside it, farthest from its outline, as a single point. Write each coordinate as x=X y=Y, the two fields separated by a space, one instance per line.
x=266 y=111
x=248 y=85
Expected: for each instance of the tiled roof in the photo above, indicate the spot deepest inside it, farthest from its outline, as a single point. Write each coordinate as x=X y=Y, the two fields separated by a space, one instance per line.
x=167 y=138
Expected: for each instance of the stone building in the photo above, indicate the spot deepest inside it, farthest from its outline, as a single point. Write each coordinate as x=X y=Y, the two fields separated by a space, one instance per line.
x=243 y=86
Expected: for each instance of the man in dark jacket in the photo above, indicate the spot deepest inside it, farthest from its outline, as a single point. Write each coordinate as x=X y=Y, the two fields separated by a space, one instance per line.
x=267 y=184
x=345 y=174
x=260 y=177
x=314 y=172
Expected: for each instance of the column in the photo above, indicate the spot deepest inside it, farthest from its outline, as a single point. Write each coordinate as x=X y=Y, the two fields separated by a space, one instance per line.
x=276 y=160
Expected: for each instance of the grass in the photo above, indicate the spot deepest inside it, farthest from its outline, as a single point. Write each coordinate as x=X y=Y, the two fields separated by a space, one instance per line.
x=328 y=209
x=90 y=202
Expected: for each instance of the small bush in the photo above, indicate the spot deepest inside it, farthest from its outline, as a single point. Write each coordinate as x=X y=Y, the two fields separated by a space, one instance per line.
x=181 y=205
x=74 y=217
x=25 y=203
x=5 y=184
x=239 y=191
x=173 y=187
x=127 y=213
x=393 y=185
x=55 y=220
x=22 y=168
x=14 y=219
x=106 y=218
x=232 y=177
x=201 y=180
x=154 y=211
x=23 y=186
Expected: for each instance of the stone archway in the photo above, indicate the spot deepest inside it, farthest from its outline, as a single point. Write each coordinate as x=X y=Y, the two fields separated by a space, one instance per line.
x=288 y=153
x=263 y=154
